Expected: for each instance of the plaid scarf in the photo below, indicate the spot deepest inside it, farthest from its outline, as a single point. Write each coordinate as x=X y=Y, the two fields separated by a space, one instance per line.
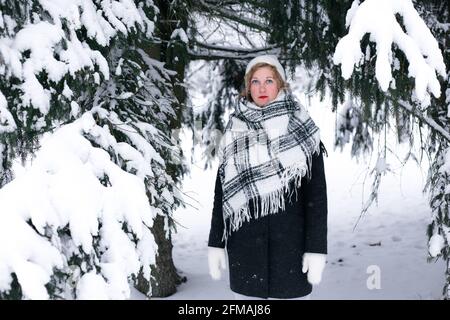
x=262 y=151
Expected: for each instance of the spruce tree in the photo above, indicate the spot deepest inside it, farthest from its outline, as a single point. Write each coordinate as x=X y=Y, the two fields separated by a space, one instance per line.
x=62 y=63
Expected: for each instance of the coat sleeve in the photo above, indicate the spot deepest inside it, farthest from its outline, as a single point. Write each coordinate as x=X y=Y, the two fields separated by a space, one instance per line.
x=217 y=224
x=316 y=207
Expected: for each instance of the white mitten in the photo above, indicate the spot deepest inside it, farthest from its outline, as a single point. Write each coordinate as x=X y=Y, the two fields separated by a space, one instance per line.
x=216 y=261
x=314 y=263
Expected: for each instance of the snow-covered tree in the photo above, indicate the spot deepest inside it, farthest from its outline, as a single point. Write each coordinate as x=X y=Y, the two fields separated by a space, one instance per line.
x=414 y=40
x=74 y=224
x=87 y=67
x=436 y=14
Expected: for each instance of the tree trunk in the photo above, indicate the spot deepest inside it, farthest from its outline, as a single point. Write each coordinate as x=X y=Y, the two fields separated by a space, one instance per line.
x=164 y=276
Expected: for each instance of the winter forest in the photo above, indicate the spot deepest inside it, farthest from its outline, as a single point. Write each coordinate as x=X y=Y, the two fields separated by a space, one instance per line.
x=99 y=99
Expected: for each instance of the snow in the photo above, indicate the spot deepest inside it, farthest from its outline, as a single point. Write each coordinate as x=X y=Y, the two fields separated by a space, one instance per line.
x=351 y=13
x=377 y=17
x=436 y=244
x=180 y=34
x=446 y=166
x=141 y=144
x=382 y=166
x=40 y=39
x=125 y=95
x=390 y=241
x=92 y=286
x=119 y=67
x=61 y=189
x=74 y=109
x=7 y=123
x=67 y=92
x=149 y=25
x=70 y=11
x=122 y=15
x=97 y=27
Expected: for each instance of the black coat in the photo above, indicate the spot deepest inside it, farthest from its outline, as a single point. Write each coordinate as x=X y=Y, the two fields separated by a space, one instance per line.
x=265 y=254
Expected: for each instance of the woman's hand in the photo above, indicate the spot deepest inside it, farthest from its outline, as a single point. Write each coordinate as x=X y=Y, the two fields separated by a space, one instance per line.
x=314 y=263
x=216 y=261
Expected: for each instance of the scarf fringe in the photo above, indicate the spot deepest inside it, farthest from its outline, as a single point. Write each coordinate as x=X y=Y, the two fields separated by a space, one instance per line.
x=270 y=203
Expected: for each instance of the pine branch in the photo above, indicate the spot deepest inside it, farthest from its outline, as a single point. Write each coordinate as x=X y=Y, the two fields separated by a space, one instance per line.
x=430 y=122
x=235 y=49
x=222 y=2
x=226 y=13
x=206 y=55
x=240 y=33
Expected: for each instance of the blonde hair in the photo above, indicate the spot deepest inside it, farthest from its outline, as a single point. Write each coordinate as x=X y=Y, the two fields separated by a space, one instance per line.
x=280 y=82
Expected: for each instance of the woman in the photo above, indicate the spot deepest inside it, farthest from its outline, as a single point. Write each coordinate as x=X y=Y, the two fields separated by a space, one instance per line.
x=270 y=203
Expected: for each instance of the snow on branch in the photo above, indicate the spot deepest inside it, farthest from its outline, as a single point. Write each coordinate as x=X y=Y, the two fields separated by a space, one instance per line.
x=7 y=123
x=237 y=50
x=73 y=202
x=200 y=54
x=429 y=121
x=54 y=46
x=377 y=17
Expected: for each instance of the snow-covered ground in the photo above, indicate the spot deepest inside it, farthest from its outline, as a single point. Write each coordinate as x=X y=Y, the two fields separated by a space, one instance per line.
x=387 y=249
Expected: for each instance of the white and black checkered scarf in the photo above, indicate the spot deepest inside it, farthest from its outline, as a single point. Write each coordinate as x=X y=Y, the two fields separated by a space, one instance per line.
x=262 y=151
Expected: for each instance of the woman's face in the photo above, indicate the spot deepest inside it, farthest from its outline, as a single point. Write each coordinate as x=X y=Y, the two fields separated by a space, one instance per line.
x=263 y=86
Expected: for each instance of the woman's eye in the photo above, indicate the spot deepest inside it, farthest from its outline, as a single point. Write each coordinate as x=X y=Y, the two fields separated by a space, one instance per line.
x=254 y=81
x=269 y=81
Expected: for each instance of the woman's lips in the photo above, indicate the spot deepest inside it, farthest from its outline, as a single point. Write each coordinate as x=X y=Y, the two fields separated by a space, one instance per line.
x=262 y=97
